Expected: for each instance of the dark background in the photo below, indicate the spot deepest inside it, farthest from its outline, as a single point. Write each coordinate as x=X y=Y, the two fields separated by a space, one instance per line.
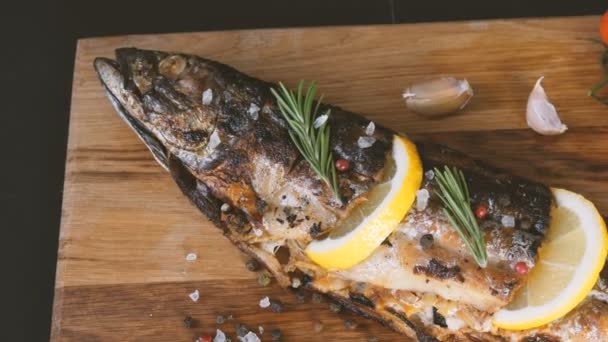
x=38 y=45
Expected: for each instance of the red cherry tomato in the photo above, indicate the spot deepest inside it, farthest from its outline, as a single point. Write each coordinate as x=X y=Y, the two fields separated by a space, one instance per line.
x=604 y=28
x=521 y=268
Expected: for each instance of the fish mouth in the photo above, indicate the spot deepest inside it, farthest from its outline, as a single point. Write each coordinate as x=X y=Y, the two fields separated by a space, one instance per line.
x=113 y=82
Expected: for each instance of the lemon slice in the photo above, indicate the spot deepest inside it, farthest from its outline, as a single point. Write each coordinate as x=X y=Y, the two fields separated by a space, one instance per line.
x=570 y=261
x=358 y=235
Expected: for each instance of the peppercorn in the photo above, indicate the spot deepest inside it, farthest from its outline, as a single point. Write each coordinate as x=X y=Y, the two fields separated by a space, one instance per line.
x=188 y=322
x=252 y=265
x=426 y=241
x=220 y=319
x=335 y=307
x=521 y=268
x=276 y=334
x=317 y=298
x=263 y=279
x=300 y=298
x=241 y=330
x=481 y=211
x=276 y=306
x=348 y=324
x=342 y=165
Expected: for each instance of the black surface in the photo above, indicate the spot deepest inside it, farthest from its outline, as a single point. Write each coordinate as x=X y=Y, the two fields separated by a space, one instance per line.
x=38 y=45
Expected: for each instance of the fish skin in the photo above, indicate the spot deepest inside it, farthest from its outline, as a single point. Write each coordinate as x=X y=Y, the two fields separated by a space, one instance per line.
x=251 y=165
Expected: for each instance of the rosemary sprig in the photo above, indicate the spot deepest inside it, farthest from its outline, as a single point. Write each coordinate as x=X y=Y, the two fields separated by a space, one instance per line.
x=312 y=140
x=454 y=193
x=604 y=65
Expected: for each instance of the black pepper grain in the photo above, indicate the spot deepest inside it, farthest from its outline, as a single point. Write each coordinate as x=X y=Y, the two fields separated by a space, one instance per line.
x=426 y=241
x=306 y=279
x=315 y=230
x=438 y=318
x=276 y=334
x=252 y=265
x=335 y=307
x=188 y=322
x=317 y=298
x=348 y=324
x=300 y=298
x=276 y=306
x=220 y=319
x=241 y=330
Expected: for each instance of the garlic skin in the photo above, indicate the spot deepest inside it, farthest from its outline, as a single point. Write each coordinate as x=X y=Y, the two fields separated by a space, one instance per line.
x=437 y=97
x=541 y=115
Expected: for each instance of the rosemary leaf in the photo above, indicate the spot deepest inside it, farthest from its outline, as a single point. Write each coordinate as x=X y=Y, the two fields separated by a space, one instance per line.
x=311 y=142
x=454 y=193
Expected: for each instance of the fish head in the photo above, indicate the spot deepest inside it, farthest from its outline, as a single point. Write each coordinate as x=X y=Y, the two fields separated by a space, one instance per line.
x=167 y=99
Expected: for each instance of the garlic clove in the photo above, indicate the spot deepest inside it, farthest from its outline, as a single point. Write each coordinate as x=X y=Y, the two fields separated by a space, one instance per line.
x=541 y=114
x=439 y=96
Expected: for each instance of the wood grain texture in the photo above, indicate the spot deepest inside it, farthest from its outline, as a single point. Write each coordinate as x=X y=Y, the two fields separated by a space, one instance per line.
x=126 y=228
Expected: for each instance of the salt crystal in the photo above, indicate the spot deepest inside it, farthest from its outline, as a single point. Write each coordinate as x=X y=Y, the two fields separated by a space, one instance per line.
x=261 y=329
x=207 y=96
x=265 y=302
x=191 y=256
x=219 y=336
x=365 y=142
x=371 y=127
x=422 y=199
x=454 y=324
x=250 y=337
x=258 y=232
x=253 y=111
x=508 y=221
x=194 y=296
x=296 y=282
x=319 y=121
x=225 y=207
x=214 y=140
x=430 y=174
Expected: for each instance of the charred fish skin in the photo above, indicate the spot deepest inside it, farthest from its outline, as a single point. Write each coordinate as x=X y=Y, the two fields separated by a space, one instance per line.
x=234 y=139
x=225 y=143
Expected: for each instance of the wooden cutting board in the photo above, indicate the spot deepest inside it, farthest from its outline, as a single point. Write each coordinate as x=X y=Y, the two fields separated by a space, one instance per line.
x=126 y=228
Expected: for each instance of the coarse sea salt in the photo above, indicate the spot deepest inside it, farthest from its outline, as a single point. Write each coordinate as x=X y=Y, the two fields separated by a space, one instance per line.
x=191 y=256
x=250 y=337
x=258 y=232
x=319 y=121
x=225 y=207
x=261 y=330
x=508 y=221
x=207 y=96
x=254 y=111
x=371 y=127
x=214 y=140
x=365 y=142
x=194 y=296
x=422 y=199
x=430 y=174
x=296 y=282
x=219 y=336
x=265 y=302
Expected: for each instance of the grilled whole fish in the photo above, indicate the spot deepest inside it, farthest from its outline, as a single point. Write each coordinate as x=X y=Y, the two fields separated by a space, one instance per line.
x=224 y=141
